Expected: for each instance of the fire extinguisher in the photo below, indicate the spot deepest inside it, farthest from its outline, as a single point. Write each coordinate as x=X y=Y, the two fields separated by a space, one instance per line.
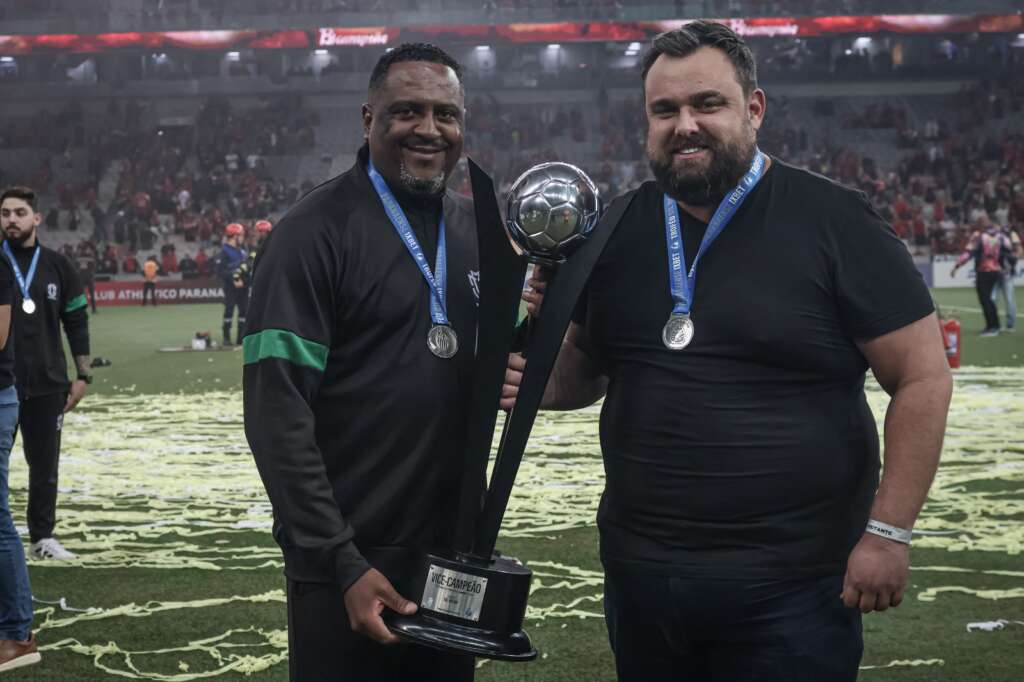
x=951 y=340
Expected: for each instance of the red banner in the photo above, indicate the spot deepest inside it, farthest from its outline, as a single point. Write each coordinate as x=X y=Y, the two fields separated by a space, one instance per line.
x=193 y=40
x=377 y=36
x=185 y=291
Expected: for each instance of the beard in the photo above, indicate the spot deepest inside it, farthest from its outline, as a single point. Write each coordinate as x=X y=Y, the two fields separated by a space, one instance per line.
x=424 y=186
x=20 y=237
x=707 y=186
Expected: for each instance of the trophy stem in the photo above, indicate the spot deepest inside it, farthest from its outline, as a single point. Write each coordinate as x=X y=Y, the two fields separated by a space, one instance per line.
x=502 y=273
x=543 y=341
x=542 y=347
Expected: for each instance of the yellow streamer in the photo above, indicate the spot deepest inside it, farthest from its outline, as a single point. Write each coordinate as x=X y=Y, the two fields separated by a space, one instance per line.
x=900 y=663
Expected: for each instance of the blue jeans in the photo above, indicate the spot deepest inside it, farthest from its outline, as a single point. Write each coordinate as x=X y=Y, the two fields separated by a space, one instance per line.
x=15 y=592
x=1005 y=285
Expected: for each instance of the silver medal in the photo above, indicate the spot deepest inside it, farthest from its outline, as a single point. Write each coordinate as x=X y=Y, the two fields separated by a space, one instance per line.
x=678 y=332
x=442 y=341
x=29 y=306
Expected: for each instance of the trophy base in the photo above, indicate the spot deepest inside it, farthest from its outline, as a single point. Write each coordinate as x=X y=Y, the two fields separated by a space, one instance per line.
x=468 y=606
x=442 y=634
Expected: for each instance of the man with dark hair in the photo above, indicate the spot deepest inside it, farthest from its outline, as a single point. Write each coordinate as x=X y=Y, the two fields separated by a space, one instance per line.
x=357 y=352
x=729 y=324
x=49 y=296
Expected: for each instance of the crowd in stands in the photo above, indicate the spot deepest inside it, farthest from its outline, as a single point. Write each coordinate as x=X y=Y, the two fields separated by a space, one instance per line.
x=191 y=181
x=951 y=171
x=951 y=174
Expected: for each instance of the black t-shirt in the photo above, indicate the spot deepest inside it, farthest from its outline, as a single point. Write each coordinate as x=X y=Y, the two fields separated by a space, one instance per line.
x=753 y=451
x=7 y=285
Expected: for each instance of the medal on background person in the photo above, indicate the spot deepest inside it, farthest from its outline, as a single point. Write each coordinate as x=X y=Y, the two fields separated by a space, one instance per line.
x=442 y=340
x=27 y=304
x=679 y=330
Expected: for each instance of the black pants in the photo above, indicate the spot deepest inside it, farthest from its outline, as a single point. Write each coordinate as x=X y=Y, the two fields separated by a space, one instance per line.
x=148 y=290
x=665 y=629
x=323 y=648
x=235 y=298
x=39 y=423
x=984 y=283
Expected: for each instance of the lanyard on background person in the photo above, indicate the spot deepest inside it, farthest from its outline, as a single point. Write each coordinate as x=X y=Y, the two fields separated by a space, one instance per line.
x=679 y=329
x=441 y=339
x=27 y=304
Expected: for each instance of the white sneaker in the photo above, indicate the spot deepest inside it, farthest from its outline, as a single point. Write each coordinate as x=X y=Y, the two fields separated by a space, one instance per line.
x=49 y=548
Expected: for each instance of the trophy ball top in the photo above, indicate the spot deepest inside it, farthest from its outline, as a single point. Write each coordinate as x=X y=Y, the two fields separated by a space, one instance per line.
x=552 y=207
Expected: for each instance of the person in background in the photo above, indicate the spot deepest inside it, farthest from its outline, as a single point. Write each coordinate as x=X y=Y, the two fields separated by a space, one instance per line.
x=236 y=289
x=85 y=258
x=988 y=248
x=243 y=274
x=51 y=297
x=203 y=262
x=150 y=272
x=130 y=266
x=263 y=229
x=99 y=221
x=17 y=642
x=188 y=267
x=1004 y=285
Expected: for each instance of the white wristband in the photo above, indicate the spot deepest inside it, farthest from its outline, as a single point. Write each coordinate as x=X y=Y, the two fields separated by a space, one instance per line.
x=890 y=532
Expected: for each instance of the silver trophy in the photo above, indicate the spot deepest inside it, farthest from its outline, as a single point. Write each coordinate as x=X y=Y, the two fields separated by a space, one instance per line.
x=552 y=208
x=473 y=599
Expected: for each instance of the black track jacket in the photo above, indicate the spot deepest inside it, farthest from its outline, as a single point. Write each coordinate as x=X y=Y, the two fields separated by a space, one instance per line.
x=353 y=423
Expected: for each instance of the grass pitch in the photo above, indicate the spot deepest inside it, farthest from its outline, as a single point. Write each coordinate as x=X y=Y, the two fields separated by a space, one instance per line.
x=178 y=578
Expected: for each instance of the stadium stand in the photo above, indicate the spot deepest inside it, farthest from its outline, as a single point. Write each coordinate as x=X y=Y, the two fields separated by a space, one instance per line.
x=167 y=148
x=42 y=16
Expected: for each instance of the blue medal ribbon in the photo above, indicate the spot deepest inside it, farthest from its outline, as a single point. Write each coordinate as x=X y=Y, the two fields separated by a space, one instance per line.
x=680 y=285
x=23 y=281
x=438 y=278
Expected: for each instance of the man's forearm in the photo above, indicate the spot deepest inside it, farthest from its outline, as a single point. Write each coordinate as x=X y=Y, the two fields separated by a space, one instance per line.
x=575 y=381
x=914 y=426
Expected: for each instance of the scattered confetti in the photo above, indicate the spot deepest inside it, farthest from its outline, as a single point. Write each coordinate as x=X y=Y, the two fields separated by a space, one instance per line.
x=167 y=481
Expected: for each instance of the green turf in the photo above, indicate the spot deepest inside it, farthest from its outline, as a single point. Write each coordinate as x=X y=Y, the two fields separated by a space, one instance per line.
x=1005 y=350
x=128 y=462
x=130 y=336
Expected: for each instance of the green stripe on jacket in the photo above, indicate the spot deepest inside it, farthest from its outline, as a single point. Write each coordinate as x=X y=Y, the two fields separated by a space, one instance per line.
x=279 y=343
x=76 y=303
